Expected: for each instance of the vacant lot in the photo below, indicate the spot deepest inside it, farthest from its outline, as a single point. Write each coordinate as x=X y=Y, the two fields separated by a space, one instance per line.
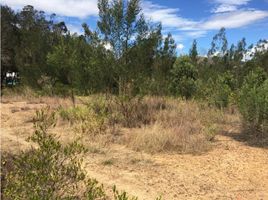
x=233 y=167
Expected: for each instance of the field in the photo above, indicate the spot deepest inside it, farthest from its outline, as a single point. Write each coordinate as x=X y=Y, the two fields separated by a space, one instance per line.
x=231 y=166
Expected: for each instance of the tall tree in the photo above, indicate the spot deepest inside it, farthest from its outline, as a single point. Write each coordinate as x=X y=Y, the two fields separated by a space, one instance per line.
x=193 y=52
x=9 y=40
x=240 y=50
x=118 y=22
x=34 y=44
x=219 y=44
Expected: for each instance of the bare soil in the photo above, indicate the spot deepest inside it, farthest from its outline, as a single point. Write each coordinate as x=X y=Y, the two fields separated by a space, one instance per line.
x=233 y=169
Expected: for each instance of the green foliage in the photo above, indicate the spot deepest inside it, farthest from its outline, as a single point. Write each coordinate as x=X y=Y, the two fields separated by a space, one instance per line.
x=253 y=100
x=122 y=195
x=94 y=191
x=183 y=78
x=86 y=120
x=222 y=90
x=219 y=44
x=193 y=52
x=74 y=114
x=9 y=39
x=49 y=171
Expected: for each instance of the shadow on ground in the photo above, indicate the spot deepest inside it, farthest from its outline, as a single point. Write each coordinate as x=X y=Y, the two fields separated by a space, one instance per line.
x=247 y=137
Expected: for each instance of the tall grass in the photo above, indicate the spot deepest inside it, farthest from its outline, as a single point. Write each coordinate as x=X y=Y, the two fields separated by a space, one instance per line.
x=160 y=124
x=183 y=126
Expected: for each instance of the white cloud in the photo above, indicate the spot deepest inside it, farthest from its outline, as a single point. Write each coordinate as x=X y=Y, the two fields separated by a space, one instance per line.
x=224 y=8
x=75 y=28
x=228 y=5
x=196 y=34
x=167 y=16
x=232 y=2
x=70 y=8
x=234 y=19
x=227 y=15
x=180 y=46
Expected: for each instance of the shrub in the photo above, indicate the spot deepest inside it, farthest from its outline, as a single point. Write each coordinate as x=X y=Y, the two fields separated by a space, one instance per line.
x=91 y=119
x=138 y=111
x=222 y=90
x=253 y=101
x=74 y=114
x=183 y=78
x=131 y=111
x=50 y=171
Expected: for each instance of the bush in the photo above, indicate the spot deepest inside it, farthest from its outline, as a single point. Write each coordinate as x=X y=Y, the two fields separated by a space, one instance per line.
x=219 y=92
x=50 y=171
x=253 y=101
x=131 y=111
x=92 y=118
x=183 y=78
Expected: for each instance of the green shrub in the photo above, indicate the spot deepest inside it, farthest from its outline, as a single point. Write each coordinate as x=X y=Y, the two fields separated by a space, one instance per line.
x=183 y=78
x=86 y=119
x=74 y=114
x=122 y=195
x=253 y=101
x=219 y=92
x=51 y=170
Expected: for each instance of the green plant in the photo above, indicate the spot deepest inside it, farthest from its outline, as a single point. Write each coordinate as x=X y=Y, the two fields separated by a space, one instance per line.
x=90 y=119
x=122 y=195
x=51 y=170
x=183 y=78
x=222 y=90
x=253 y=101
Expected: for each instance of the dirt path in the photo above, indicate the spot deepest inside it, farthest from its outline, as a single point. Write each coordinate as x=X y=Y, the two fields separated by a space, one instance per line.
x=232 y=170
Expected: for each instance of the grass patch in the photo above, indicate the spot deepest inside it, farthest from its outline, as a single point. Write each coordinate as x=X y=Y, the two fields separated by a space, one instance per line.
x=183 y=127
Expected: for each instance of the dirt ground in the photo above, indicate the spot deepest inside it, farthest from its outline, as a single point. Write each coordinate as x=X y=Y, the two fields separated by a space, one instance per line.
x=233 y=169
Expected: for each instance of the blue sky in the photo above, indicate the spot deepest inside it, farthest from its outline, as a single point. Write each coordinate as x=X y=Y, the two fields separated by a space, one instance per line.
x=186 y=20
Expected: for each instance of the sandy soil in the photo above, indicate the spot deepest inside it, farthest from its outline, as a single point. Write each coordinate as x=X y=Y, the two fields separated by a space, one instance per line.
x=234 y=169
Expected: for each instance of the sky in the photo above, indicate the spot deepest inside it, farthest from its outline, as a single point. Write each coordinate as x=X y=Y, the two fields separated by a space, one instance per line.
x=185 y=20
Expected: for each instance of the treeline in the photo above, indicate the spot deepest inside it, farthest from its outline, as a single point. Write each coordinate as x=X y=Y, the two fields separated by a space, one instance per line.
x=48 y=57
x=125 y=53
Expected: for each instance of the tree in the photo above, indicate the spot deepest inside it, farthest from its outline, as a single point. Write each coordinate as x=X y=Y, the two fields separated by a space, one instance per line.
x=219 y=44
x=253 y=101
x=183 y=77
x=240 y=50
x=193 y=52
x=261 y=55
x=65 y=61
x=9 y=40
x=118 y=21
x=163 y=63
x=33 y=46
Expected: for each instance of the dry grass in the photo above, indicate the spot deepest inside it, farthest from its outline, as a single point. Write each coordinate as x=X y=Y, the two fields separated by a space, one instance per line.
x=26 y=94
x=182 y=126
x=160 y=124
